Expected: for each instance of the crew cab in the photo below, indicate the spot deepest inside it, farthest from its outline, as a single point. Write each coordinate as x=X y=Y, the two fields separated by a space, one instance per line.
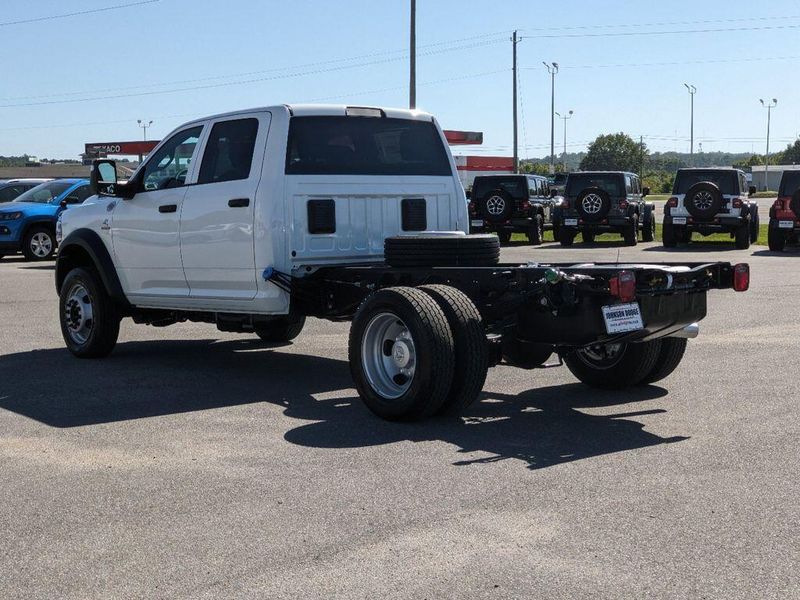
x=507 y=204
x=28 y=224
x=784 y=215
x=258 y=219
x=597 y=202
x=708 y=201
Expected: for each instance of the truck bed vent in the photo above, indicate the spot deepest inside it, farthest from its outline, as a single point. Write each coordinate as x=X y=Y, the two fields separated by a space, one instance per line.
x=415 y=217
x=322 y=216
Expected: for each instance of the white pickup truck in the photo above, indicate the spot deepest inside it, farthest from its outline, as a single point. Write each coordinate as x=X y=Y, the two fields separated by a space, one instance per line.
x=255 y=220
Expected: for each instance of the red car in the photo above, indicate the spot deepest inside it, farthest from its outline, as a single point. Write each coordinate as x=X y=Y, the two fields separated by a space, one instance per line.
x=784 y=216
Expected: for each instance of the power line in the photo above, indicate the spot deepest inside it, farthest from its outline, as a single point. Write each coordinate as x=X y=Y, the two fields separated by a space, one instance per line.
x=676 y=62
x=664 y=23
x=78 y=13
x=333 y=66
x=672 y=32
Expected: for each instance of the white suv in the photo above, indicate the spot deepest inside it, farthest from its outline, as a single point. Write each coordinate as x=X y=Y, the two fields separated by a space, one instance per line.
x=711 y=200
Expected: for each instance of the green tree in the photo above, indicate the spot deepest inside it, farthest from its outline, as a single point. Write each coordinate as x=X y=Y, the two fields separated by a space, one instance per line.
x=614 y=152
x=790 y=156
x=753 y=160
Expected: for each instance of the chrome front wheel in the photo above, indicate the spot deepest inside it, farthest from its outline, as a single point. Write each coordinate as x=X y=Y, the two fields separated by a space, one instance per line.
x=79 y=313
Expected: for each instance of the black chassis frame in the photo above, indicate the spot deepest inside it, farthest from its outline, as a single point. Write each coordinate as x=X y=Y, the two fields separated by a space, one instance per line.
x=562 y=310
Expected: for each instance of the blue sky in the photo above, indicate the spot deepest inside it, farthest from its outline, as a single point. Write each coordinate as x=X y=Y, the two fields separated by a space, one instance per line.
x=88 y=78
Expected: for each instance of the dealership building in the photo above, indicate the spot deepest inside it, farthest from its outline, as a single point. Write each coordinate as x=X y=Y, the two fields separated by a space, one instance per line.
x=770 y=179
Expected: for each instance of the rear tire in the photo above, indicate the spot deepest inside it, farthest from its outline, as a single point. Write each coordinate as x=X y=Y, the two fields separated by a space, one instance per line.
x=429 y=250
x=536 y=231
x=88 y=316
x=776 y=239
x=742 y=236
x=566 y=237
x=39 y=244
x=614 y=366
x=504 y=237
x=669 y=357
x=631 y=233
x=588 y=237
x=668 y=237
x=649 y=225
x=402 y=355
x=282 y=329
x=755 y=225
x=471 y=349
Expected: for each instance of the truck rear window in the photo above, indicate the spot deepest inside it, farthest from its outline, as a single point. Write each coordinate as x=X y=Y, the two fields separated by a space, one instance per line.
x=790 y=183
x=512 y=185
x=726 y=181
x=612 y=183
x=365 y=146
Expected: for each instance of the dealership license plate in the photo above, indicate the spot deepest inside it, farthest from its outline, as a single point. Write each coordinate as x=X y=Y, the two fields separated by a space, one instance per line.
x=621 y=318
x=476 y=223
x=571 y=222
x=786 y=224
x=679 y=220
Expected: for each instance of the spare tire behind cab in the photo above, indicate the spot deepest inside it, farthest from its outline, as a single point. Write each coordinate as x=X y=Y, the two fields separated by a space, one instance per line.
x=593 y=204
x=795 y=204
x=703 y=200
x=478 y=250
x=496 y=206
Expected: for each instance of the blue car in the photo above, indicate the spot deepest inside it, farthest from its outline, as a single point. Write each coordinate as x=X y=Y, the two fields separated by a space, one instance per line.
x=28 y=224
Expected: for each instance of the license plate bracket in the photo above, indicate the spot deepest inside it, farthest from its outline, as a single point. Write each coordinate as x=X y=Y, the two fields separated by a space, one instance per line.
x=571 y=222
x=623 y=318
x=679 y=220
x=786 y=224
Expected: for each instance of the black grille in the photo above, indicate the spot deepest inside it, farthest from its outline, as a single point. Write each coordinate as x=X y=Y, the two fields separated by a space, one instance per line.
x=415 y=217
x=321 y=216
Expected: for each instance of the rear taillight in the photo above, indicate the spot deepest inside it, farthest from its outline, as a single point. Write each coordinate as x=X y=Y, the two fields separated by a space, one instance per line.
x=524 y=205
x=672 y=202
x=623 y=204
x=741 y=277
x=472 y=208
x=780 y=203
x=565 y=204
x=737 y=203
x=623 y=286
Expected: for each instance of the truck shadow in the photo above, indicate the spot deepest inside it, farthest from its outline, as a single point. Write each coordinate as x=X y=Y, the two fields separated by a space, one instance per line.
x=541 y=427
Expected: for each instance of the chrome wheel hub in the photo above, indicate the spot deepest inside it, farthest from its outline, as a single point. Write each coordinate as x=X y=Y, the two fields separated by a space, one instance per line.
x=79 y=313
x=601 y=356
x=388 y=355
x=41 y=244
x=495 y=205
x=703 y=200
x=592 y=204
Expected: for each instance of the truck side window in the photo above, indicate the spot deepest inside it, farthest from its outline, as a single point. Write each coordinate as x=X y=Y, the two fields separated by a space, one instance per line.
x=229 y=152
x=167 y=168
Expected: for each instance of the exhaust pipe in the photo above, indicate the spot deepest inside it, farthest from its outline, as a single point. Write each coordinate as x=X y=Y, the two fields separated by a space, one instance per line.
x=689 y=332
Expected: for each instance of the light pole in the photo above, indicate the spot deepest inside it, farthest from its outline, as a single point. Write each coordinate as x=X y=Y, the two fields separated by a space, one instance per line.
x=769 y=106
x=412 y=74
x=565 y=118
x=692 y=92
x=144 y=126
x=552 y=68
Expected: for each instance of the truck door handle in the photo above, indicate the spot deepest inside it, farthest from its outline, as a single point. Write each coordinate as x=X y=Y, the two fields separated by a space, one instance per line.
x=239 y=202
x=168 y=208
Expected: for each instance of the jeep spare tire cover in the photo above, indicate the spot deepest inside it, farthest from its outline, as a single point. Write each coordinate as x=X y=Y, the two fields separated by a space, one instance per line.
x=496 y=206
x=442 y=250
x=593 y=204
x=795 y=204
x=703 y=200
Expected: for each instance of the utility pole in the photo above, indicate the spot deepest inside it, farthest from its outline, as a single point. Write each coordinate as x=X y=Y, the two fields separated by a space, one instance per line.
x=769 y=106
x=552 y=68
x=692 y=92
x=565 y=118
x=514 y=42
x=144 y=125
x=412 y=83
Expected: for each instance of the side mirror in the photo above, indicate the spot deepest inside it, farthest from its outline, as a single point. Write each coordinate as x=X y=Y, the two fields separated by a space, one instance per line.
x=752 y=190
x=645 y=191
x=103 y=180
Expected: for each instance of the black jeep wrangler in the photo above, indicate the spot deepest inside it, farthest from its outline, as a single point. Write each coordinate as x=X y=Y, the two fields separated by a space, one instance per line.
x=506 y=204
x=602 y=202
x=784 y=215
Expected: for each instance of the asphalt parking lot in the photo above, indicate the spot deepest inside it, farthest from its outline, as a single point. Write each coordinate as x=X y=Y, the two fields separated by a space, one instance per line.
x=198 y=464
